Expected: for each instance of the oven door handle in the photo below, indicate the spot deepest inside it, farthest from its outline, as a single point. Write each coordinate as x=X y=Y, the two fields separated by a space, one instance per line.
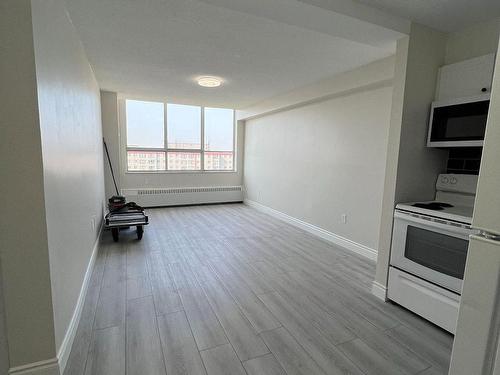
x=435 y=223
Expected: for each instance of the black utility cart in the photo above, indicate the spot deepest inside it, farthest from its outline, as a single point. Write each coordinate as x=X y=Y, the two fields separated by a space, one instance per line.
x=124 y=218
x=123 y=215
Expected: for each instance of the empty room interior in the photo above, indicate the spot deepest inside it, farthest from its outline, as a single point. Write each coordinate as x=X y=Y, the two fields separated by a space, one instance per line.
x=249 y=187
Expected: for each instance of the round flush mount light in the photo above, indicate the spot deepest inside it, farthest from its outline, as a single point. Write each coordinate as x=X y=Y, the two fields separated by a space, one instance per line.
x=209 y=81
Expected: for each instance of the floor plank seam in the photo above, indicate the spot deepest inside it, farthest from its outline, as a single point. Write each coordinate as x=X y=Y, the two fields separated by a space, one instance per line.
x=213 y=347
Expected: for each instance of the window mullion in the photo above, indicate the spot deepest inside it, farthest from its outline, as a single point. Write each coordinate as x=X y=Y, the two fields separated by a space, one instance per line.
x=202 y=157
x=144 y=149
x=188 y=150
x=235 y=128
x=165 y=134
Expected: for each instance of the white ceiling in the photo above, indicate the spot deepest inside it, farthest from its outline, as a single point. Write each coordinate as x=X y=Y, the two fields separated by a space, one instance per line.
x=443 y=15
x=262 y=48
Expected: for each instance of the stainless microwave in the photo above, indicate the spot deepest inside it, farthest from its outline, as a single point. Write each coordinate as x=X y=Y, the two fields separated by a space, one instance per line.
x=458 y=122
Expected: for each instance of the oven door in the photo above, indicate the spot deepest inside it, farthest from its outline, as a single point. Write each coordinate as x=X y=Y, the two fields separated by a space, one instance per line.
x=432 y=249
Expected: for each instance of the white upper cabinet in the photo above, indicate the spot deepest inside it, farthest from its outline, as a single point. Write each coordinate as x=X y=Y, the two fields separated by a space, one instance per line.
x=466 y=78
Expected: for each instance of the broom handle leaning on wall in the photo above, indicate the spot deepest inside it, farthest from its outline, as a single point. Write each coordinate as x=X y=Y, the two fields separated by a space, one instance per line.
x=110 y=166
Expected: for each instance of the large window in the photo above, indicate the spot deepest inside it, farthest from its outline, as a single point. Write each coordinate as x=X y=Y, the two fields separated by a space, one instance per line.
x=174 y=137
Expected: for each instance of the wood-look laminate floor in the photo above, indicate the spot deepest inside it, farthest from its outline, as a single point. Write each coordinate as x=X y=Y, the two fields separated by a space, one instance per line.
x=225 y=289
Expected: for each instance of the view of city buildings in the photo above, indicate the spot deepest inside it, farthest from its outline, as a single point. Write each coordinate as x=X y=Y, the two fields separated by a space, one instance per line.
x=145 y=160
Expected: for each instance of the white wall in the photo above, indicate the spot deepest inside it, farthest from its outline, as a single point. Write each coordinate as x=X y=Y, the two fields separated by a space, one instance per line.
x=70 y=124
x=319 y=161
x=411 y=167
x=418 y=165
x=109 y=115
x=114 y=129
x=23 y=238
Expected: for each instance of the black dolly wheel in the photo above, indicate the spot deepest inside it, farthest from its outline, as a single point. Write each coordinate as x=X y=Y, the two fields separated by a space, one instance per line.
x=114 y=232
x=140 y=231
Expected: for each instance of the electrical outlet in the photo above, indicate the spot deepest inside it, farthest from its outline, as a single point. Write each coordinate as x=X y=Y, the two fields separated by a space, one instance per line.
x=343 y=218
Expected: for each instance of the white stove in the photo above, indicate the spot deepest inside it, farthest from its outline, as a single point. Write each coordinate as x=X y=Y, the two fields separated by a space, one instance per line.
x=429 y=250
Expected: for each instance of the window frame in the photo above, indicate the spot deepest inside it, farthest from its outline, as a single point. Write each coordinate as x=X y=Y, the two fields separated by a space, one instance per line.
x=165 y=149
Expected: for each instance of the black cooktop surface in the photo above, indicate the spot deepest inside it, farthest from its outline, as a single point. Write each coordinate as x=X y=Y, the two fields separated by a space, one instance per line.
x=436 y=206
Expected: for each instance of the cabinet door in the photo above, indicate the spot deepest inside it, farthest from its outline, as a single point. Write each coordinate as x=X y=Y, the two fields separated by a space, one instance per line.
x=466 y=78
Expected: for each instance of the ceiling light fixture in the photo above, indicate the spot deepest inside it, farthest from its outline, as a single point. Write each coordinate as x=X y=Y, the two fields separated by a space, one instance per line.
x=209 y=81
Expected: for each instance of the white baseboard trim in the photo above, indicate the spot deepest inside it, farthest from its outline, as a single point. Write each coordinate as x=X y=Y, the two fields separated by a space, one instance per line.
x=67 y=343
x=313 y=229
x=48 y=367
x=379 y=291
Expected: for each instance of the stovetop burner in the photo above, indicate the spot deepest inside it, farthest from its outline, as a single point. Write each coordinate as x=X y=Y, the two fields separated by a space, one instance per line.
x=436 y=206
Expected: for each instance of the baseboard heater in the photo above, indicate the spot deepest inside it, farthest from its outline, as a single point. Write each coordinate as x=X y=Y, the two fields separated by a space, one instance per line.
x=185 y=195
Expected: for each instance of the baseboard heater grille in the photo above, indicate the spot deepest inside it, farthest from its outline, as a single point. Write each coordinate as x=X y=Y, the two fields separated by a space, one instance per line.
x=184 y=195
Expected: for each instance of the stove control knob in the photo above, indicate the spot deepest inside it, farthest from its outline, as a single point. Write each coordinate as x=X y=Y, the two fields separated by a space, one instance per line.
x=444 y=180
x=453 y=180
